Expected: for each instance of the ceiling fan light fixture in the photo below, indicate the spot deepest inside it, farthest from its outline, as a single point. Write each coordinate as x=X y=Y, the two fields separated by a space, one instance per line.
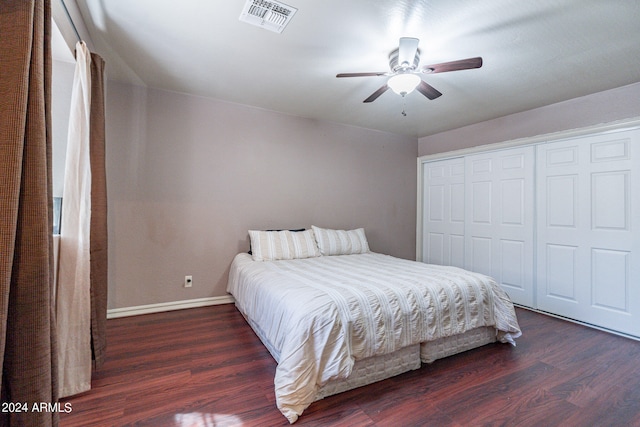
x=403 y=84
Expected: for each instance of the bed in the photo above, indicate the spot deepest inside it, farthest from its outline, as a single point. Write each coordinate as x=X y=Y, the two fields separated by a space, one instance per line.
x=336 y=316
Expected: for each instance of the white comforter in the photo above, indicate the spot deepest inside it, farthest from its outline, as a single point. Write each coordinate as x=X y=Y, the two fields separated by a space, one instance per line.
x=320 y=314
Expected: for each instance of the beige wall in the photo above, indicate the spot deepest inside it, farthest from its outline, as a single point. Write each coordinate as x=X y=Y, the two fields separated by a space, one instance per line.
x=188 y=176
x=603 y=107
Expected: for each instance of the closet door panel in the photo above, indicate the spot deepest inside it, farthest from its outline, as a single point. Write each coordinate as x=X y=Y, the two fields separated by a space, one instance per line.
x=610 y=200
x=457 y=201
x=436 y=248
x=514 y=263
x=481 y=253
x=499 y=228
x=481 y=203
x=610 y=278
x=456 y=250
x=561 y=271
x=512 y=201
x=443 y=212
x=562 y=201
x=588 y=220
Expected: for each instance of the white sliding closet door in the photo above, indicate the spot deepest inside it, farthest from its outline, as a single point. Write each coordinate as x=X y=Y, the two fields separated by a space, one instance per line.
x=588 y=249
x=443 y=212
x=499 y=219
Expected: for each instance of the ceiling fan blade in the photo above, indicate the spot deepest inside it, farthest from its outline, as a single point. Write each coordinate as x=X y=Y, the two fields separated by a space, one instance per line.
x=407 y=50
x=462 y=64
x=428 y=90
x=377 y=93
x=372 y=74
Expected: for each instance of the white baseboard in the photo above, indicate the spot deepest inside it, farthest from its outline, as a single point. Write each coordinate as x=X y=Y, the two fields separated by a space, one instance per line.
x=167 y=306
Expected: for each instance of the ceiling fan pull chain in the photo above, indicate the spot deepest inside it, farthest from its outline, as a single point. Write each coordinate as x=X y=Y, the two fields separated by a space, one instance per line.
x=404 y=105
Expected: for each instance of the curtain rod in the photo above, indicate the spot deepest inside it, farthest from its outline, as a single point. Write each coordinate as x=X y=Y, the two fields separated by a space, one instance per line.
x=66 y=11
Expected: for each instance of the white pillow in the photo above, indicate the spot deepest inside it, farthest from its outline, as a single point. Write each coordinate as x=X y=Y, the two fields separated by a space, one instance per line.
x=275 y=245
x=341 y=242
x=304 y=244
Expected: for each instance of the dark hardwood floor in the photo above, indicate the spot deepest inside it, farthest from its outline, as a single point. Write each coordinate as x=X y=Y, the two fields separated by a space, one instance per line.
x=205 y=367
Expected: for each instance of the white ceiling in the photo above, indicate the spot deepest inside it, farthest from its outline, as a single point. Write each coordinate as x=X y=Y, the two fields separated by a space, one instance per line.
x=535 y=53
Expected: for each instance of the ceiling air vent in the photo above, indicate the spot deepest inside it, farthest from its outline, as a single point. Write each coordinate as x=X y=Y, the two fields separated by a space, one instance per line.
x=270 y=15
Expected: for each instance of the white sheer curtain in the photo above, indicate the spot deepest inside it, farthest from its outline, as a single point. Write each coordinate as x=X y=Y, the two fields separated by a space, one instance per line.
x=73 y=304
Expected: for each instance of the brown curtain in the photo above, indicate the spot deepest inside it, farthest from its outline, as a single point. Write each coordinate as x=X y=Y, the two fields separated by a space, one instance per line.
x=27 y=324
x=98 y=244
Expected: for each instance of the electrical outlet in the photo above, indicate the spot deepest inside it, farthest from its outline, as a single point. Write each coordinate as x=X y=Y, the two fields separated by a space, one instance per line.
x=188 y=281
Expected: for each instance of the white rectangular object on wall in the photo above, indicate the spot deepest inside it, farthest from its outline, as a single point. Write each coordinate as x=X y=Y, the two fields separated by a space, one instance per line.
x=588 y=217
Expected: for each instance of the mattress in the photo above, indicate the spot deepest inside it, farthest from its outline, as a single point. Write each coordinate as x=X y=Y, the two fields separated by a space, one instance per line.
x=325 y=318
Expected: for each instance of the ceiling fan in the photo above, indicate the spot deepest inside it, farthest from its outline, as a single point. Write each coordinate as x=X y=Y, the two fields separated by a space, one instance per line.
x=405 y=74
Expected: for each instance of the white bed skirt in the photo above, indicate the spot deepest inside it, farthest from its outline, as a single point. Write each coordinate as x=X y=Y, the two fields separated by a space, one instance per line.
x=373 y=369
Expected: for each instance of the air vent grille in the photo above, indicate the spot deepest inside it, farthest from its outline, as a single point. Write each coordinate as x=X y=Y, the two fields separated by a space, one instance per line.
x=270 y=15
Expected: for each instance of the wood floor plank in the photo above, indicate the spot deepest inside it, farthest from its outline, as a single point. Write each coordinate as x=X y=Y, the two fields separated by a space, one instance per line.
x=205 y=366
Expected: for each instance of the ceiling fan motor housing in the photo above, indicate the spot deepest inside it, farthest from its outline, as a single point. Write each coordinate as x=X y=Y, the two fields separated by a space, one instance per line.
x=396 y=67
